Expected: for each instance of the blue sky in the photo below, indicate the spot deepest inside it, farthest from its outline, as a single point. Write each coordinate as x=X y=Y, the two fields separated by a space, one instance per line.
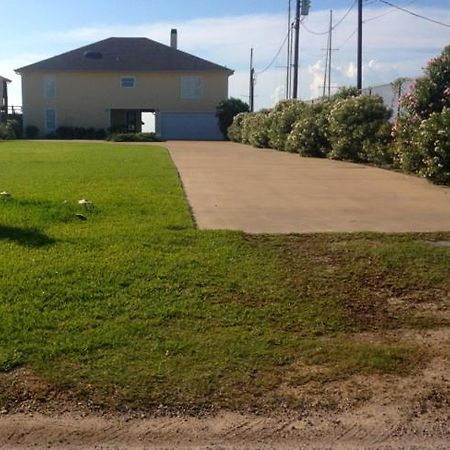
x=396 y=44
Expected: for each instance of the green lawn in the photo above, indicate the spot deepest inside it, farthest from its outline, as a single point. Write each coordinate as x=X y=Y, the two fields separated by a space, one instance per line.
x=136 y=308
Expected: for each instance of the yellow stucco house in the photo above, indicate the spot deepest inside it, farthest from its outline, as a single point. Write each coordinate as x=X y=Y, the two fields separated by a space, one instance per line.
x=111 y=84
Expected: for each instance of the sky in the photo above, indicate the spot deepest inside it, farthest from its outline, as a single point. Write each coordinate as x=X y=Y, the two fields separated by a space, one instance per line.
x=395 y=44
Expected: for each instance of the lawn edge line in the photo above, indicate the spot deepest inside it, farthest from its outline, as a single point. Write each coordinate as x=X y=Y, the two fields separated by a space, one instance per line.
x=180 y=179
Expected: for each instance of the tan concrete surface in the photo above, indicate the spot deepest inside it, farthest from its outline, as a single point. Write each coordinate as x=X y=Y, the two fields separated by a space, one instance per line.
x=237 y=187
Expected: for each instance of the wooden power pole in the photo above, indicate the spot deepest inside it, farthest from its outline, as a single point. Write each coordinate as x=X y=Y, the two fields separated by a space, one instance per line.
x=296 y=50
x=252 y=83
x=359 y=59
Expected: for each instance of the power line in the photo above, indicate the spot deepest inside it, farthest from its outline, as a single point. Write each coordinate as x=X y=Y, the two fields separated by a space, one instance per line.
x=348 y=39
x=390 y=11
x=415 y=14
x=320 y=33
x=277 y=54
x=370 y=20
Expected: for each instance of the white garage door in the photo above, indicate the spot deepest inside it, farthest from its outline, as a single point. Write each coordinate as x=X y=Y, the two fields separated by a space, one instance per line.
x=189 y=126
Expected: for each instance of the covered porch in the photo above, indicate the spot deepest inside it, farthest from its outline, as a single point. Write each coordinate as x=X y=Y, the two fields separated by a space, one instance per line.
x=133 y=120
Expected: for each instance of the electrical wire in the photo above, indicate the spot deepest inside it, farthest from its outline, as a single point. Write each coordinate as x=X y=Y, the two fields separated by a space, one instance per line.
x=390 y=11
x=277 y=54
x=321 y=33
x=429 y=19
x=348 y=39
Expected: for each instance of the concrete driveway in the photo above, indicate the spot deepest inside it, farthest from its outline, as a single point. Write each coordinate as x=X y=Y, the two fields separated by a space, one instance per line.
x=236 y=187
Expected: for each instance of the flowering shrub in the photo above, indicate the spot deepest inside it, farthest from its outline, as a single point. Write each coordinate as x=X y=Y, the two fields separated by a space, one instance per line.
x=309 y=135
x=421 y=132
x=255 y=129
x=357 y=123
x=282 y=119
x=433 y=140
x=235 y=129
x=407 y=155
x=251 y=128
x=431 y=93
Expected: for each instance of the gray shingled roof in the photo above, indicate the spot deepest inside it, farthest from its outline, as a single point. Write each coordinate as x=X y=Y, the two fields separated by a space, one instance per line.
x=124 y=54
x=5 y=79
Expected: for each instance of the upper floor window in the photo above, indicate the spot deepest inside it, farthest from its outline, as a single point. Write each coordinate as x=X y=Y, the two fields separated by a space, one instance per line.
x=127 y=82
x=191 y=88
x=49 y=87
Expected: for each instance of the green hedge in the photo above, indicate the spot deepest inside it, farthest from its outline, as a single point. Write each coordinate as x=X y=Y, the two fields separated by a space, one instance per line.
x=359 y=129
x=309 y=135
x=349 y=127
x=134 y=137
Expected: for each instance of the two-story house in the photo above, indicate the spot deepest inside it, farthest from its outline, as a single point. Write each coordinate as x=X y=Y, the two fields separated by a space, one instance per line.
x=111 y=83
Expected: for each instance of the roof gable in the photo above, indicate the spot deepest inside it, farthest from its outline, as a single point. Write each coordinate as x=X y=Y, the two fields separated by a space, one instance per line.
x=124 y=54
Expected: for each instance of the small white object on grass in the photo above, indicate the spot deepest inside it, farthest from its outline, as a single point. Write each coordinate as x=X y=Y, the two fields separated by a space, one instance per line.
x=84 y=202
x=5 y=194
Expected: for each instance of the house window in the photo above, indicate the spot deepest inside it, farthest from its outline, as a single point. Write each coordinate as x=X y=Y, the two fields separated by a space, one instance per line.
x=49 y=87
x=50 y=120
x=191 y=88
x=127 y=82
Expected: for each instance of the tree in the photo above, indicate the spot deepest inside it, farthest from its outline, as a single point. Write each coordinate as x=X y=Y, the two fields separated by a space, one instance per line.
x=226 y=110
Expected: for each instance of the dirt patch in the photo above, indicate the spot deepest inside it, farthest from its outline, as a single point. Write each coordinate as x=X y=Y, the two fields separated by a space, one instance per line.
x=376 y=411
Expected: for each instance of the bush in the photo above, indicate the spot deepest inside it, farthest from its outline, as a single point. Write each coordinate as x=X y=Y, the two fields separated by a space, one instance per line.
x=309 y=135
x=431 y=93
x=2 y=131
x=10 y=130
x=356 y=124
x=31 y=132
x=227 y=110
x=134 y=137
x=345 y=92
x=433 y=140
x=282 y=119
x=421 y=132
x=235 y=129
x=65 y=132
x=407 y=156
x=380 y=153
x=255 y=129
x=14 y=126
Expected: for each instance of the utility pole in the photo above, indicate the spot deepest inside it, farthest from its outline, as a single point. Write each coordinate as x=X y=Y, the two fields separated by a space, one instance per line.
x=296 y=49
x=252 y=83
x=327 y=60
x=302 y=9
x=330 y=49
x=359 y=62
x=288 y=63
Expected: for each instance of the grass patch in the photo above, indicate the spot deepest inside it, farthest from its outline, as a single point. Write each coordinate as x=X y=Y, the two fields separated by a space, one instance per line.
x=134 y=307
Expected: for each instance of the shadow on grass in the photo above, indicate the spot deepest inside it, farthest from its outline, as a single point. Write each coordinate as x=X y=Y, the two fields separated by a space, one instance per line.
x=25 y=236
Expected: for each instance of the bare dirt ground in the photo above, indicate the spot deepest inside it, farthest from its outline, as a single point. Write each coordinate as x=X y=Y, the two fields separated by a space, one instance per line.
x=371 y=412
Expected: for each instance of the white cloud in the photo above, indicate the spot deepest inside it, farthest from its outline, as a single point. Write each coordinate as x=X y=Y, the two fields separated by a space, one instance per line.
x=316 y=71
x=278 y=94
x=351 y=70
